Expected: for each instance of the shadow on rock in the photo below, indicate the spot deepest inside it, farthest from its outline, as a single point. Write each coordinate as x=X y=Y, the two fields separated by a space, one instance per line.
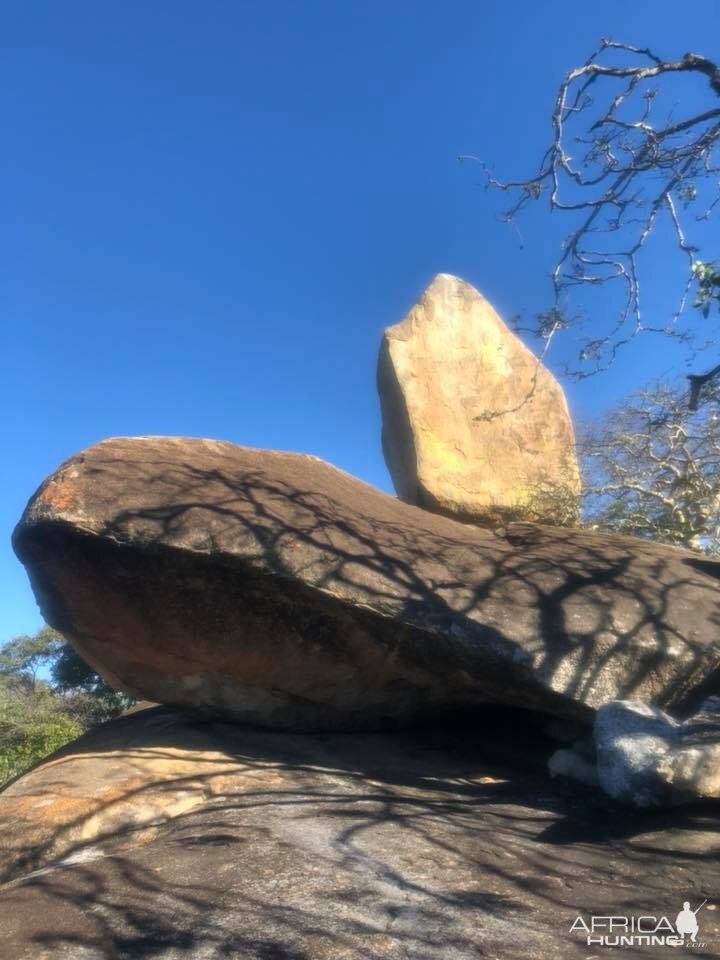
x=162 y=836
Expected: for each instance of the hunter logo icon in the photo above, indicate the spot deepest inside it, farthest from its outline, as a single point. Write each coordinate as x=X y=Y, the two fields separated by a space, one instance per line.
x=645 y=930
x=686 y=923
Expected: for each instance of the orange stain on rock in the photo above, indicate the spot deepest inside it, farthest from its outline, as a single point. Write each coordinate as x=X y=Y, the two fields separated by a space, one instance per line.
x=58 y=494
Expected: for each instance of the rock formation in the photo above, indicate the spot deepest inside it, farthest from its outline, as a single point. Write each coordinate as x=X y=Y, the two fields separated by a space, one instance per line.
x=473 y=425
x=159 y=836
x=272 y=588
x=649 y=759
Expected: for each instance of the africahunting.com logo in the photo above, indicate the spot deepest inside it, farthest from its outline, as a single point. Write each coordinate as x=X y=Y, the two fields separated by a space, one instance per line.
x=642 y=931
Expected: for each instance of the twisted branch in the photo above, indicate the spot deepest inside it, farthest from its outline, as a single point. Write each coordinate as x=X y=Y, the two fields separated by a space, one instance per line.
x=630 y=171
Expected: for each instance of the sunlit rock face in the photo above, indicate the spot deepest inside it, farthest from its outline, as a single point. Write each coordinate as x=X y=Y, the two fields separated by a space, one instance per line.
x=647 y=758
x=473 y=425
x=164 y=836
x=273 y=588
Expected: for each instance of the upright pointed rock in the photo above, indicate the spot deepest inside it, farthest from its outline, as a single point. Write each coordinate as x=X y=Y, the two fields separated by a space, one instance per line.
x=473 y=425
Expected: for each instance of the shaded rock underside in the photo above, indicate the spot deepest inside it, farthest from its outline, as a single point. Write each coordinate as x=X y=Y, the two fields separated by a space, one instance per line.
x=275 y=589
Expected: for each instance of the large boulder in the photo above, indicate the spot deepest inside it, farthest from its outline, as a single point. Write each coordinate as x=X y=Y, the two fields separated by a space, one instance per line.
x=473 y=425
x=647 y=758
x=271 y=587
x=158 y=836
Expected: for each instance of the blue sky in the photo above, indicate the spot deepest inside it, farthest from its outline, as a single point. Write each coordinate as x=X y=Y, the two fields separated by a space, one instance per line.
x=211 y=210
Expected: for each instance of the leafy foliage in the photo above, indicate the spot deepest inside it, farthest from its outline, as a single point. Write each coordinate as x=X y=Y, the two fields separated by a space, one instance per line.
x=31 y=727
x=23 y=656
x=707 y=277
x=38 y=715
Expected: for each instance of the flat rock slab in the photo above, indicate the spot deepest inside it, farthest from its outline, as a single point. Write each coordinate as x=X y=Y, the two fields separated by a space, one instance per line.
x=272 y=588
x=163 y=837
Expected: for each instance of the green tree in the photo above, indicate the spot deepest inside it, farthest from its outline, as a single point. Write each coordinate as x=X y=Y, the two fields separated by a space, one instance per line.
x=32 y=725
x=48 y=696
x=23 y=656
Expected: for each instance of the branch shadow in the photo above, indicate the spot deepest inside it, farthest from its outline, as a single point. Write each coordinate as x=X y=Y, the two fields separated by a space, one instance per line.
x=435 y=843
x=330 y=605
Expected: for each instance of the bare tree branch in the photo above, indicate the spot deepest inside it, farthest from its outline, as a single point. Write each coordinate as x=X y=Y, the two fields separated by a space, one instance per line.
x=651 y=469
x=631 y=169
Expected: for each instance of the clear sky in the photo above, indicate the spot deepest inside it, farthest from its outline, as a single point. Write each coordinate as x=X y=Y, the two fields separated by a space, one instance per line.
x=211 y=210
